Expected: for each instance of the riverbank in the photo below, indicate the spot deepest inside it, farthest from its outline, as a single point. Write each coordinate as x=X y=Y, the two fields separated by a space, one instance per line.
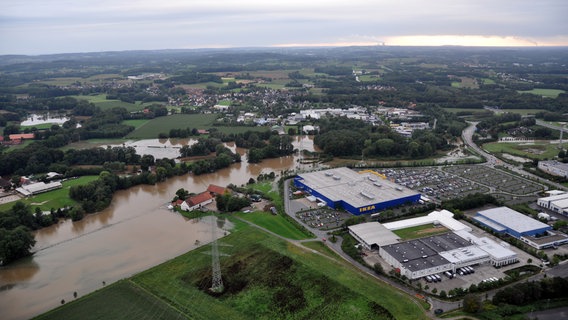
x=313 y=285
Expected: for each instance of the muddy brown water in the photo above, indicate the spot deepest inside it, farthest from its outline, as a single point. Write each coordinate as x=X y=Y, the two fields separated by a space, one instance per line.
x=135 y=233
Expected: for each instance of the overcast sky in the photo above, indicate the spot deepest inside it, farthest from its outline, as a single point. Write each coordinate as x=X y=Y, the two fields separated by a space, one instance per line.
x=57 y=26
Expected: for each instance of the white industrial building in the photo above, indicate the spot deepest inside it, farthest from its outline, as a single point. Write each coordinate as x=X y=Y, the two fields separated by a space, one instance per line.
x=38 y=187
x=435 y=254
x=558 y=202
x=554 y=168
x=372 y=235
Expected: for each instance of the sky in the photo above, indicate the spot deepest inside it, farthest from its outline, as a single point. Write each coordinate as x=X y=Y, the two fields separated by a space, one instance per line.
x=60 y=26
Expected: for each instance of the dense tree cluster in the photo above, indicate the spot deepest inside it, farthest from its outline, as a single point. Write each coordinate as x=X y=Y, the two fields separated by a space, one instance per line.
x=349 y=137
x=528 y=292
x=470 y=201
x=231 y=203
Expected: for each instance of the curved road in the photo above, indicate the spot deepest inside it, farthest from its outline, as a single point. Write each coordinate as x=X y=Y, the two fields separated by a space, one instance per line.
x=492 y=161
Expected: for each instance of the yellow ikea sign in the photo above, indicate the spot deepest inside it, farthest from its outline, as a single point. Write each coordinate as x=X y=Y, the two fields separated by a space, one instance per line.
x=368 y=208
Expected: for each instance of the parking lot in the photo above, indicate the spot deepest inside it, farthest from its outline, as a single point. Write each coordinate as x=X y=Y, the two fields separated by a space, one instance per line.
x=443 y=183
x=323 y=218
x=497 y=179
x=434 y=183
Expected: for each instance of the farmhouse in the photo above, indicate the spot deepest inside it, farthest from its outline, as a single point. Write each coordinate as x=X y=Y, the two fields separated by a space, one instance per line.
x=196 y=202
x=215 y=190
x=357 y=192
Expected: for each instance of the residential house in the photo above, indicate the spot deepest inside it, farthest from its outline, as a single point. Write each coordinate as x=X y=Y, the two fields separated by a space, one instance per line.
x=197 y=201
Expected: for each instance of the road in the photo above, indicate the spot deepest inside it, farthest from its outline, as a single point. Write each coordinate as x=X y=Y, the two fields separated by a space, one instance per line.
x=492 y=161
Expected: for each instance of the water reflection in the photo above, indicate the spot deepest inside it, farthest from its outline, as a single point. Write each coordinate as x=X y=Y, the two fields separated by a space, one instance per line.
x=133 y=234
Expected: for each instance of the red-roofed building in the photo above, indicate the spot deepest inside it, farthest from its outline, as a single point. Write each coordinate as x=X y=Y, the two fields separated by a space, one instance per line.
x=196 y=202
x=21 y=136
x=216 y=190
x=202 y=131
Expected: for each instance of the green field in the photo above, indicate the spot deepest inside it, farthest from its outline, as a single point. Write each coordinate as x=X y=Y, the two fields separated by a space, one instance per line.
x=420 y=231
x=264 y=278
x=549 y=93
x=488 y=81
x=275 y=223
x=100 y=101
x=369 y=78
x=53 y=199
x=466 y=82
x=122 y=300
x=152 y=128
x=538 y=151
x=135 y=123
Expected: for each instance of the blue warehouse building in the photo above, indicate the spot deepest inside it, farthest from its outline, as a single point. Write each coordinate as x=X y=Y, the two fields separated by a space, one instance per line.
x=506 y=220
x=357 y=192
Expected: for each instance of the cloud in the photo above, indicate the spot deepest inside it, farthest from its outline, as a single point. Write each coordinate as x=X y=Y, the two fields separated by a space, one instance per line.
x=38 y=26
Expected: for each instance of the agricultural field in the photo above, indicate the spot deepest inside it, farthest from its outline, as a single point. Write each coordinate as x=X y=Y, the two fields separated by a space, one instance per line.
x=466 y=82
x=548 y=93
x=488 y=81
x=53 y=199
x=136 y=123
x=420 y=231
x=101 y=101
x=538 y=151
x=264 y=278
x=152 y=128
x=369 y=78
x=122 y=300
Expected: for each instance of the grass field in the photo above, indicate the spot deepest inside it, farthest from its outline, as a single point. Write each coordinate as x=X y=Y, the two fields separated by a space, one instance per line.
x=539 y=151
x=53 y=199
x=42 y=126
x=466 y=82
x=152 y=128
x=549 y=93
x=274 y=223
x=320 y=247
x=123 y=298
x=488 y=81
x=369 y=78
x=420 y=231
x=135 y=123
x=264 y=278
x=100 y=101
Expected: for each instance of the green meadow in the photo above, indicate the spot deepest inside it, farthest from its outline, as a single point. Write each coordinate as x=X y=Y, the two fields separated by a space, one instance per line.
x=53 y=199
x=548 y=93
x=538 y=151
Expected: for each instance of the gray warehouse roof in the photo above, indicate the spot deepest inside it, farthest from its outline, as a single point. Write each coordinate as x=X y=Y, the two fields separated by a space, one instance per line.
x=512 y=219
x=354 y=188
x=374 y=233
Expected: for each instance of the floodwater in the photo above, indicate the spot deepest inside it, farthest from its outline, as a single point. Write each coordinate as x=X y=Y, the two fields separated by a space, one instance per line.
x=36 y=119
x=135 y=233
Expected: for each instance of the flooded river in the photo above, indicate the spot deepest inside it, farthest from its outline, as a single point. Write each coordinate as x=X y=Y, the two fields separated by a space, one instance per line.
x=136 y=232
